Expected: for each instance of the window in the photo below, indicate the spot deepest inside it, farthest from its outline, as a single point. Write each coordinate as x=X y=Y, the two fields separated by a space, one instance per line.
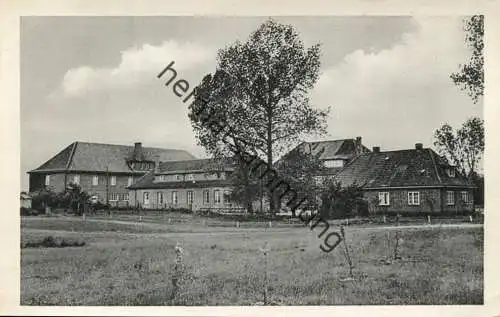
x=414 y=198
x=145 y=198
x=159 y=198
x=450 y=198
x=451 y=172
x=217 y=196
x=174 y=198
x=125 y=196
x=178 y=177
x=47 y=180
x=227 y=197
x=190 y=197
x=190 y=177
x=76 y=179
x=334 y=163
x=206 y=196
x=465 y=197
x=113 y=180
x=113 y=197
x=162 y=178
x=95 y=180
x=383 y=199
x=130 y=180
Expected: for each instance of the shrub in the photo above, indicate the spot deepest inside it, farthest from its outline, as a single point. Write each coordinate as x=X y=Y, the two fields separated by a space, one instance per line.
x=29 y=212
x=53 y=242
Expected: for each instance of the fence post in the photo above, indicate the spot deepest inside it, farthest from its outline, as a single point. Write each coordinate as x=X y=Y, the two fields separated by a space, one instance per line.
x=265 y=250
x=429 y=219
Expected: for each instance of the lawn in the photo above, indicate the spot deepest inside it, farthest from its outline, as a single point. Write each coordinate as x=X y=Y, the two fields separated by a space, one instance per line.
x=126 y=263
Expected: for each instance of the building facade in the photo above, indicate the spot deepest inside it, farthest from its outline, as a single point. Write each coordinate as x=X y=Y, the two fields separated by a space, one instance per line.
x=190 y=184
x=103 y=170
x=408 y=181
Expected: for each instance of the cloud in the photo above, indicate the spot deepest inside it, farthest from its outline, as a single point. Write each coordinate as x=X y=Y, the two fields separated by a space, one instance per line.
x=401 y=93
x=137 y=66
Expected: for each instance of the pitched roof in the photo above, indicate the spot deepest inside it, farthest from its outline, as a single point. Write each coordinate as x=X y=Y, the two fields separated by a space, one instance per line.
x=403 y=168
x=96 y=157
x=195 y=165
x=333 y=149
x=147 y=182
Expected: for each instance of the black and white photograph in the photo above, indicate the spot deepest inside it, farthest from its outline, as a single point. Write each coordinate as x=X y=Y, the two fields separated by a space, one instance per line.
x=259 y=160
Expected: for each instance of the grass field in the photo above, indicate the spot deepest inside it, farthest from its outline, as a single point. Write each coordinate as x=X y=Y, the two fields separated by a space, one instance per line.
x=126 y=262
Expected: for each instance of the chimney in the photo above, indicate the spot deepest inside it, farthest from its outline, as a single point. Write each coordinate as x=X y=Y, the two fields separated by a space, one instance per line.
x=138 y=151
x=376 y=149
x=419 y=146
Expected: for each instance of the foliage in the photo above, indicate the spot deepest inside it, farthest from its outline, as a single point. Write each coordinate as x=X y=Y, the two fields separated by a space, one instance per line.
x=299 y=169
x=471 y=75
x=44 y=198
x=75 y=198
x=259 y=95
x=463 y=148
x=339 y=202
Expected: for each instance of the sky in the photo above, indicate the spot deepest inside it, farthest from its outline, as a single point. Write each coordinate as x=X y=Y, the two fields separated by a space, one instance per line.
x=94 y=79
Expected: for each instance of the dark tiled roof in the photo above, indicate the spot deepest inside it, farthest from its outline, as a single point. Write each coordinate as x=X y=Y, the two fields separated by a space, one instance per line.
x=333 y=149
x=403 y=168
x=92 y=157
x=146 y=182
x=195 y=165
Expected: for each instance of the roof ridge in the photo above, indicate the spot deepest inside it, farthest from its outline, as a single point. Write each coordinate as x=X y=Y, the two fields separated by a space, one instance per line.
x=70 y=158
x=434 y=165
x=130 y=146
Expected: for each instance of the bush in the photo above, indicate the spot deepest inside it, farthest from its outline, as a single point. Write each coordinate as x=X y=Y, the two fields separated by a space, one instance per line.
x=51 y=242
x=29 y=212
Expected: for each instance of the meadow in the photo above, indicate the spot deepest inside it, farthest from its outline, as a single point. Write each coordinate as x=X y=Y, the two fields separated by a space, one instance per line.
x=129 y=262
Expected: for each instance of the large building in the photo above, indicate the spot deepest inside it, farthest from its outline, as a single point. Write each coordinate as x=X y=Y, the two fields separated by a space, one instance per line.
x=406 y=181
x=191 y=184
x=410 y=180
x=105 y=170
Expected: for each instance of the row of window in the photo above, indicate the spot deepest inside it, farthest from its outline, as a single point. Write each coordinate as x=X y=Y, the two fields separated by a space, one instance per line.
x=95 y=180
x=186 y=177
x=414 y=198
x=118 y=197
x=218 y=197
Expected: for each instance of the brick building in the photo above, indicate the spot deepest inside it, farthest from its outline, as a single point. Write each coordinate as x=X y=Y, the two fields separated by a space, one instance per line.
x=191 y=184
x=101 y=169
x=405 y=181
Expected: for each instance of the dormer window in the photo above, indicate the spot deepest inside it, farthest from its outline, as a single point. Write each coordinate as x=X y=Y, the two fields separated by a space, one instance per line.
x=450 y=171
x=334 y=163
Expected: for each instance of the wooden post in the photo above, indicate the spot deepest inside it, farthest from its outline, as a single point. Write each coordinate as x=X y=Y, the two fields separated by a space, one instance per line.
x=384 y=219
x=265 y=250
x=429 y=219
x=270 y=224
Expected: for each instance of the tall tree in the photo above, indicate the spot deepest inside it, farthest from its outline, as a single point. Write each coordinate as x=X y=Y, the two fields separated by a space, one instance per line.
x=260 y=92
x=464 y=147
x=471 y=75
